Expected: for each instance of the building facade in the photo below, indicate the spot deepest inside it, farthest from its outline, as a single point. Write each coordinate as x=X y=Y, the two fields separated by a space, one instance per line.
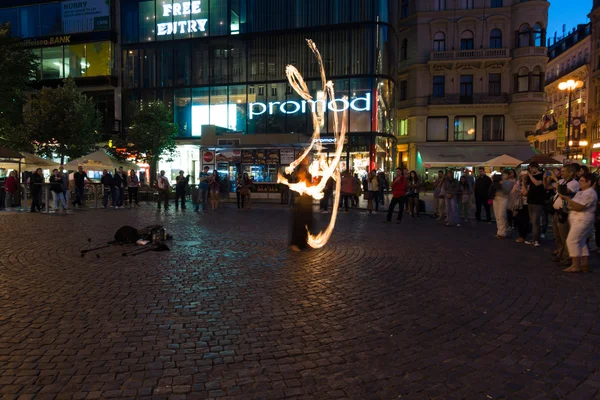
x=471 y=80
x=75 y=39
x=594 y=89
x=220 y=65
x=569 y=58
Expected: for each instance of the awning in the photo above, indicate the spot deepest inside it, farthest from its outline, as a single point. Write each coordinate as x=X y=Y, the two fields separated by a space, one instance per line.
x=503 y=161
x=471 y=155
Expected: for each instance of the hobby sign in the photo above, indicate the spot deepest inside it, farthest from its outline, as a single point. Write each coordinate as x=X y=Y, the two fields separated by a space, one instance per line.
x=186 y=24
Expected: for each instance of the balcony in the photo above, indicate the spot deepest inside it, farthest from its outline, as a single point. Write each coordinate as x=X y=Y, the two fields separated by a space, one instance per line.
x=567 y=71
x=530 y=51
x=468 y=54
x=528 y=96
x=455 y=99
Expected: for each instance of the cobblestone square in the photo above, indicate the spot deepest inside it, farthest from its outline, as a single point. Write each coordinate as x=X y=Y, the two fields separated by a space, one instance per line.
x=384 y=311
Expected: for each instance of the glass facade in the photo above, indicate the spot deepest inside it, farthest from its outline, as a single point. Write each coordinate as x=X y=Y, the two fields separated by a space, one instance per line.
x=75 y=60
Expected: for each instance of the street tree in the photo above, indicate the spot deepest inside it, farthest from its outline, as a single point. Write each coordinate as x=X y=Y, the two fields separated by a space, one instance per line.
x=62 y=121
x=17 y=67
x=152 y=135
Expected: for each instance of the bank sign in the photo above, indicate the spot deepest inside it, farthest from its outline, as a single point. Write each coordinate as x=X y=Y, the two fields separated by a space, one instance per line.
x=184 y=21
x=318 y=106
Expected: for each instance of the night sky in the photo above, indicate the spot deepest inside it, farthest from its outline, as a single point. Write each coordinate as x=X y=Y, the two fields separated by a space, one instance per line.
x=569 y=12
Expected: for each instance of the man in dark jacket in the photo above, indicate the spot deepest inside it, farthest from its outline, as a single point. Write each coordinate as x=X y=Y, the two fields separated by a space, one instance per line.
x=36 y=181
x=107 y=184
x=117 y=186
x=181 y=185
x=482 y=190
x=56 y=186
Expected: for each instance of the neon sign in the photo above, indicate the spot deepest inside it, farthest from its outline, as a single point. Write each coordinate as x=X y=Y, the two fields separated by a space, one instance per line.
x=186 y=26
x=293 y=107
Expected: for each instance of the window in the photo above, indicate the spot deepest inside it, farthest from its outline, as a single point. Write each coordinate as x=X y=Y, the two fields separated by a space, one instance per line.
x=493 y=128
x=403 y=127
x=466 y=40
x=439 y=42
x=464 y=129
x=404 y=10
x=536 y=80
x=437 y=129
x=466 y=88
x=403 y=90
x=496 y=3
x=439 y=86
x=496 y=39
x=468 y=4
x=537 y=35
x=495 y=84
x=440 y=5
x=524 y=36
x=404 y=50
x=523 y=80
x=52 y=63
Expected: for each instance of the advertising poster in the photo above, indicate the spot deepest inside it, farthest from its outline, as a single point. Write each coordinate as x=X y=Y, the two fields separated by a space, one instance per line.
x=287 y=156
x=208 y=159
x=260 y=157
x=248 y=157
x=85 y=15
x=272 y=157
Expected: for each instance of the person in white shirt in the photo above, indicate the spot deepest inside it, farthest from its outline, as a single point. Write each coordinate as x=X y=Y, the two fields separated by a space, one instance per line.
x=582 y=215
x=163 y=189
x=566 y=184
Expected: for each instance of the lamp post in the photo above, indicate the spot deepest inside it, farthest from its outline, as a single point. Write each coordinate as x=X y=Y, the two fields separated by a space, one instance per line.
x=569 y=85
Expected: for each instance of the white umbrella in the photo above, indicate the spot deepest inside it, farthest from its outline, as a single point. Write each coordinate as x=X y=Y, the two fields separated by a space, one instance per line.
x=503 y=161
x=32 y=162
x=99 y=160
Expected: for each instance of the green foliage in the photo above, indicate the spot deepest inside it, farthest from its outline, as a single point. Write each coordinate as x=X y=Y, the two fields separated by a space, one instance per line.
x=152 y=135
x=17 y=66
x=62 y=121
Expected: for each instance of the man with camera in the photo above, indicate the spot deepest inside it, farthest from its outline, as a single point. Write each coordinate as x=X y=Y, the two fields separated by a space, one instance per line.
x=536 y=196
x=567 y=185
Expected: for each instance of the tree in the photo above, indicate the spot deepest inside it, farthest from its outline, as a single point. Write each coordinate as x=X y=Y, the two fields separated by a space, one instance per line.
x=152 y=134
x=62 y=121
x=17 y=67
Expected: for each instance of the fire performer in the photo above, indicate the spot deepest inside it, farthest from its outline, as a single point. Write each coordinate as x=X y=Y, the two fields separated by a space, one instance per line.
x=302 y=212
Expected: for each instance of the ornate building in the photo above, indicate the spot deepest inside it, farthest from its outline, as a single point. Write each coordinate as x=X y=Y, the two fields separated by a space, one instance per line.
x=594 y=92
x=471 y=80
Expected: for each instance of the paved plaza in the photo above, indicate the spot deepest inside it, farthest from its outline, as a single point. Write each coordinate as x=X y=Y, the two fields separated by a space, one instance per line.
x=384 y=311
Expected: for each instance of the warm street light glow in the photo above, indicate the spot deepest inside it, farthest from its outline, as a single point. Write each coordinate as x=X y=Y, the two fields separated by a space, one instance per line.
x=570 y=143
x=583 y=143
x=570 y=85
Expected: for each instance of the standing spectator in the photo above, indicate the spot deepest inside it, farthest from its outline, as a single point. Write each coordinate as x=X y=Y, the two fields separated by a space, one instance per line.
x=11 y=186
x=133 y=184
x=238 y=188
x=107 y=185
x=464 y=199
x=357 y=190
x=203 y=190
x=163 y=190
x=482 y=190
x=438 y=197
x=56 y=186
x=181 y=184
x=245 y=191
x=581 y=218
x=213 y=185
x=412 y=192
x=117 y=188
x=512 y=177
x=536 y=194
x=398 y=196
x=382 y=184
x=518 y=207
x=348 y=190
x=123 y=187
x=451 y=190
x=566 y=184
x=64 y=178
x=35 y=188
x=500 y=202
x=80 y=177
x=373 y=188
x=327 y=193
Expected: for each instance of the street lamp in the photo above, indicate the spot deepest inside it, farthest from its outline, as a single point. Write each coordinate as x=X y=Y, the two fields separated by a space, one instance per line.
x=569 y=85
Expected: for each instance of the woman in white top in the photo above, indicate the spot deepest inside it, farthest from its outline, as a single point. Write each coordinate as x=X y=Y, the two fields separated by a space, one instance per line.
x=581 y=219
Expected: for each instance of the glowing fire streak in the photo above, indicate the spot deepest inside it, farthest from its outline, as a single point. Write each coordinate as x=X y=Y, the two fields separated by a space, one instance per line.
x=321 y=167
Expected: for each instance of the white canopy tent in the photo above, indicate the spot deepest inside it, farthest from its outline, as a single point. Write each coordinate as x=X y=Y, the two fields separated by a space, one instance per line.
x=99 y=160
x=31 y=162
x=503 y=161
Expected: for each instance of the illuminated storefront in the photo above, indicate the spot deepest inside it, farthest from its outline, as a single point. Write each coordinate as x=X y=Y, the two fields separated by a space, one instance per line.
x=222 y=63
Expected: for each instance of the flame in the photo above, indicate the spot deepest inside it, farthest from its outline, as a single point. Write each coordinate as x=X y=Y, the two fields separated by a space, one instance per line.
x=320 y=167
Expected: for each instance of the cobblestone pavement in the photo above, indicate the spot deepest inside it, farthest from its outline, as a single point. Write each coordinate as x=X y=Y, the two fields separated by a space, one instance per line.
x=411 y=311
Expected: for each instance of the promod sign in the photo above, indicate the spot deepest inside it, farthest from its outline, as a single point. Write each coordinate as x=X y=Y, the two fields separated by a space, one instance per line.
x=187 y=24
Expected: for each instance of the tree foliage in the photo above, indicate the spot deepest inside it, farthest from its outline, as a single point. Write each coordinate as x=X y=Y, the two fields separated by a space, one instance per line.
x=63 y=121
x=152 y=135
x=17 y=66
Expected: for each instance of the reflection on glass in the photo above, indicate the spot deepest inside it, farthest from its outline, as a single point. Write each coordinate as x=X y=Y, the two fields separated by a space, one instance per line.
x=237 y=97
x=52 y=63
x=183 y=111
x=50 y=23
x=30 y=21
x=200 y=110
x=76 y=63
x=147 y=21
x=222 y=114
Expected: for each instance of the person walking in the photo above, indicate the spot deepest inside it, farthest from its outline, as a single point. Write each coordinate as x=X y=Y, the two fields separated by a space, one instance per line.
x=582 y=208
x=503 y=187
x=536 y=194
x=163 y=186
x=35 y=182
x=482 y=190
x=412 y=192
x=398 y=196
x=565 y=184
x=181 y=185
x=133 y=184
x=56 y=186
x=451 y=190
x=373 y=190
x=438 y=197
x=11 y=186
x=465 y=198
x=203 y=190
x=79 y=177
x=213 y=186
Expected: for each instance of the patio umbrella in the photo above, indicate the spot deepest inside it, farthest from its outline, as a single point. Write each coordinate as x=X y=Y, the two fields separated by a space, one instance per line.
x=32 y=162
x=503 y=161
x=99 y=160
